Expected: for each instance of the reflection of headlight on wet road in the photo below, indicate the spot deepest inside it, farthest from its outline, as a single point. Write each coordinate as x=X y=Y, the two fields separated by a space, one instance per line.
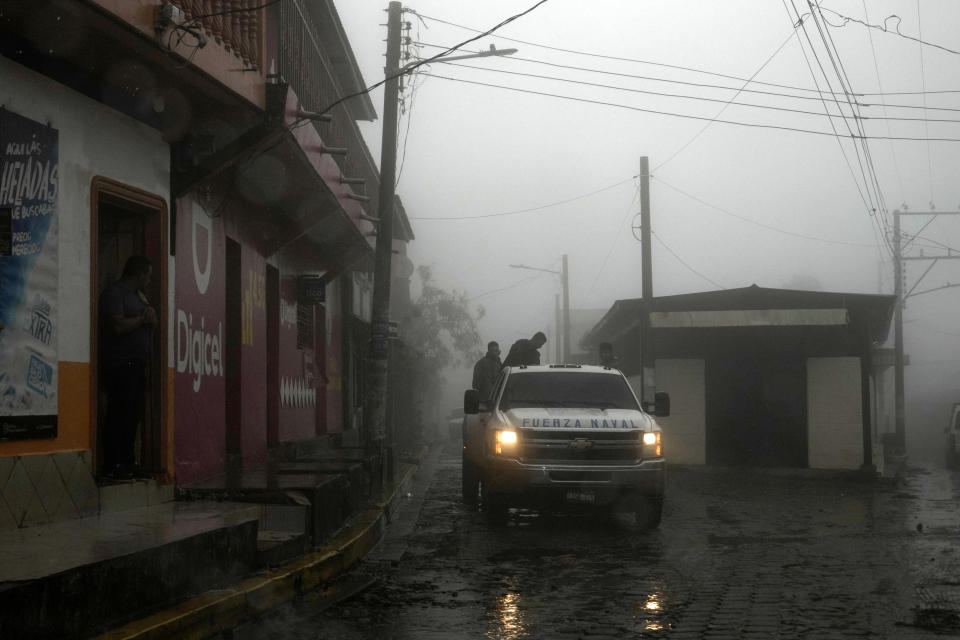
x=509 y=618
x=652 y=605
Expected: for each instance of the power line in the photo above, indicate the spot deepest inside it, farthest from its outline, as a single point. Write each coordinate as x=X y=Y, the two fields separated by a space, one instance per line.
x=834 y=54
x=755 y=222
x=923 y=83
x=603 y=265
x=679 y=115
x=726 y=103
x=530 y=209
x=883 y=28
x=655 y=64
x=691 y=84
x=408 y=69
x=683 y=262
x=876 y=67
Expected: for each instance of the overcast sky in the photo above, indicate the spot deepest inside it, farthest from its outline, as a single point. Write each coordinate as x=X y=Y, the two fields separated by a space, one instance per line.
x=737 y=205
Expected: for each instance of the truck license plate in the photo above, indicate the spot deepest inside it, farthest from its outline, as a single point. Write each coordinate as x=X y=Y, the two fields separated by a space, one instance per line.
x=583 y=496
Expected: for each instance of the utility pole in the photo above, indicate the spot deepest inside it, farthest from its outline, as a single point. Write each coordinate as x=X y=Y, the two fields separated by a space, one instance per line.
x=375 y=398
x=899 y=413
x=556 y=327
x=647 y=382
x=566 y=310
x=899 y=276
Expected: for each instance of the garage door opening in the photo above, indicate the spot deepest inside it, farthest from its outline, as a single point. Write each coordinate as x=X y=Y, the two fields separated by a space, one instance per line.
x=756 y=412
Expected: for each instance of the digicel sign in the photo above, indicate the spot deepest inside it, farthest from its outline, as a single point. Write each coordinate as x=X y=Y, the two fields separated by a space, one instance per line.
x=198 y=353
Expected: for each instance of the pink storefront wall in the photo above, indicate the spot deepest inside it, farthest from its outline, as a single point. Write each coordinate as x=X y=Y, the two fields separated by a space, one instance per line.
x=199 y=308
x=334 y=371
x=298 y=372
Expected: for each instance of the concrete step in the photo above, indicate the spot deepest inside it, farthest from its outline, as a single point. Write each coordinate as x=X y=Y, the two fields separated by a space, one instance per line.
x=133 y=494
x=74 y=578
x=326 y=496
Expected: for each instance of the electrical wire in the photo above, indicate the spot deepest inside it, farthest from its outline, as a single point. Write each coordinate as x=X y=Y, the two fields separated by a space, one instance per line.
x=687 y=83
x=623 y=59
x=678 y=115
x=531 y=209
x=409 y=68
x=757 y=223
x=884 y=28
x=923 y=83
x=834 y=54
x=746 y=82
x=702 y=85
x=683 y=262
x=876 y=67
x=591 y=290
x=726 y=103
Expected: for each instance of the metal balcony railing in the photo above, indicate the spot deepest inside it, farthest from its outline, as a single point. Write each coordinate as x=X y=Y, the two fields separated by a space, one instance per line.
x=235 y=24
x=305 y=66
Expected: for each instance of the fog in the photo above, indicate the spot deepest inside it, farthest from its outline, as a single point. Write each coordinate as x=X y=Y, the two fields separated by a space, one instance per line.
x=731 y=205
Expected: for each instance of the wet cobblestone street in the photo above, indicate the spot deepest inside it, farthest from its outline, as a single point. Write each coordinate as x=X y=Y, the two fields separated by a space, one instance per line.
x=739 y=554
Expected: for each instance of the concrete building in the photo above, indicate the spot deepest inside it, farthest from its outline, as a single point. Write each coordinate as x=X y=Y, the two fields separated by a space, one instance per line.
x=761 y=377
x=185 y=132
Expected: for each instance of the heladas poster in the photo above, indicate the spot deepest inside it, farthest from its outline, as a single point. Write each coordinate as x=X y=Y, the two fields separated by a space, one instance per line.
x=28 y=278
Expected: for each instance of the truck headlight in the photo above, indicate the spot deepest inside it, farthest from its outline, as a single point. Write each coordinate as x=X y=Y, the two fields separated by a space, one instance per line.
x=505 y=439
x=651 y=443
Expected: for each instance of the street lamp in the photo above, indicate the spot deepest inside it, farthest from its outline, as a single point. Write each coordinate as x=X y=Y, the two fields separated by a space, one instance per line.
x=565 y=282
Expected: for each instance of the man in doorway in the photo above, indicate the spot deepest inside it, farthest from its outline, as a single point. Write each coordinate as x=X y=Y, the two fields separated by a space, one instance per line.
x=127 y=322
x=605 y=353
x=486 y=370
x=525 y=351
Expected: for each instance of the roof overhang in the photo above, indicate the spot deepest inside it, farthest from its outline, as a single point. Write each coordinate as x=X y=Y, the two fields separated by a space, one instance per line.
x=748 y=306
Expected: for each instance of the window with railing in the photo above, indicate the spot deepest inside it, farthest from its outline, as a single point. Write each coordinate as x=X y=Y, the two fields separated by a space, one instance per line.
x=234 y=24
x=305 y=67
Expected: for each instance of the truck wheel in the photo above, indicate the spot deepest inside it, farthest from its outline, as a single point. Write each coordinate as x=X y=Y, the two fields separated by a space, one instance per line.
x=951 y=457
x=495 y=508
x=648 y=511
x=469 y=481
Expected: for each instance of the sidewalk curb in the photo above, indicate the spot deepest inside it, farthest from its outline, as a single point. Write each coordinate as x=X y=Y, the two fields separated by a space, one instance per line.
x=217 y=611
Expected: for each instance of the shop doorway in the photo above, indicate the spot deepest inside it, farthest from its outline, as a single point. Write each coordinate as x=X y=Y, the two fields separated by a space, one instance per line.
x=233 y=352
x=126 y=221
x=756 y=412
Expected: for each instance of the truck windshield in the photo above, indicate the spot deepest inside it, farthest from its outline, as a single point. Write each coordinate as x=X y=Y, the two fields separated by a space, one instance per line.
x=573 y=389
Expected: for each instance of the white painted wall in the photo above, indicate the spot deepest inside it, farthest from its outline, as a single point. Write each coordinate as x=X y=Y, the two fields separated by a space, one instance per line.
x=684 y=430
x=834 y=413
x=93 y=140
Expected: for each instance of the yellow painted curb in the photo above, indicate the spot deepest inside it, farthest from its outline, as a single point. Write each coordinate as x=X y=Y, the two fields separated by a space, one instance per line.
x=217 y=611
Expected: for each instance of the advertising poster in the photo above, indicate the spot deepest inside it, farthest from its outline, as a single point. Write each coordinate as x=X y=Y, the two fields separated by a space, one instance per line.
x=28 y=278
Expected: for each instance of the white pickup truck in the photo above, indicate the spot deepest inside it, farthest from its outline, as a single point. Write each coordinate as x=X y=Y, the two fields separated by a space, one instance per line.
x=563 y=435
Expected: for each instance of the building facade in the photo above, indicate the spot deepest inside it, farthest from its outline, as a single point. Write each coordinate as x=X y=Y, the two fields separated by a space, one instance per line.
x=760 y=377
x=188 y=132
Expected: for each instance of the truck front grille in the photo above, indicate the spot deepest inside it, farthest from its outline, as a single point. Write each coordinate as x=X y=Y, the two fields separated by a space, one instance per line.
x=579 y=446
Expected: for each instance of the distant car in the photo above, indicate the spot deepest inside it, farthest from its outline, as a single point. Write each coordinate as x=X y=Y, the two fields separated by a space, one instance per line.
x=952 y=438
x=563 y=435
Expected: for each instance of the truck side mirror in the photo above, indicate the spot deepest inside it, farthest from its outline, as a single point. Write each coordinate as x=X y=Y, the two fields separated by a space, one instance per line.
x=661 y=404
x=471 y=402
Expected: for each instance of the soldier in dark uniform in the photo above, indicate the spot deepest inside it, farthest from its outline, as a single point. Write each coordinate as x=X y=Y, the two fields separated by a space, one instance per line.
x=486 y=370
x=525 y=351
